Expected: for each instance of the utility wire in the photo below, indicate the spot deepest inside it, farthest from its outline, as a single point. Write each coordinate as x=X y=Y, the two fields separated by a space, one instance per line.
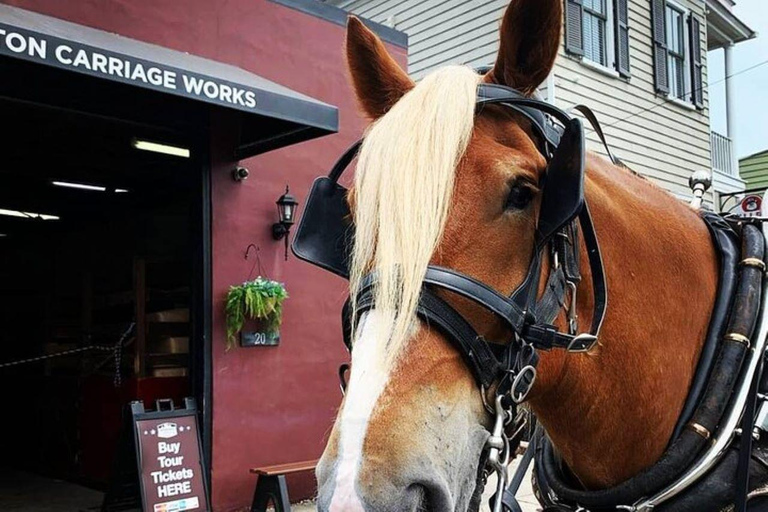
x=670 y=100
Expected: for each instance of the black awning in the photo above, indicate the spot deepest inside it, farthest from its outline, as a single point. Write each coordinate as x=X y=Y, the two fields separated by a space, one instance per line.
x=50 y=41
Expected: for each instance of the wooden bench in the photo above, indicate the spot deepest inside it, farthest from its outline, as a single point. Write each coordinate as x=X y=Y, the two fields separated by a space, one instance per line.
x=271 y=486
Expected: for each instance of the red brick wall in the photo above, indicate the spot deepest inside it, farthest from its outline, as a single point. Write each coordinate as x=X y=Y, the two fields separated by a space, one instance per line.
x=270 y=405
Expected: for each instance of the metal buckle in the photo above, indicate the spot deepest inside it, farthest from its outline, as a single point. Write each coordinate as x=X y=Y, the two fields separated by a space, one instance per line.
x=584 y=342
x=519 y=397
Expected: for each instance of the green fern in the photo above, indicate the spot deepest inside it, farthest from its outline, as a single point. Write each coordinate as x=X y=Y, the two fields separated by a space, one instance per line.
x=258 y=299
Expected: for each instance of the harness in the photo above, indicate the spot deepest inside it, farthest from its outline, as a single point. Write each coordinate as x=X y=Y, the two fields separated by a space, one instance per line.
x=324 y=238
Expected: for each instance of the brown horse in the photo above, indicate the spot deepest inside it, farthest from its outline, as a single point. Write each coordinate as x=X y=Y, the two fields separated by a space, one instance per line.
x=438 y=184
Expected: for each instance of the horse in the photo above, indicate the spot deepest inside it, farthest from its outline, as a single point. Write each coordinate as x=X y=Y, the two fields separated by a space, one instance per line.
x=439 y=182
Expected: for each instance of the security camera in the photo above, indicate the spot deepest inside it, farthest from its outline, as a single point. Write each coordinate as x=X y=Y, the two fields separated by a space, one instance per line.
x=240 y=173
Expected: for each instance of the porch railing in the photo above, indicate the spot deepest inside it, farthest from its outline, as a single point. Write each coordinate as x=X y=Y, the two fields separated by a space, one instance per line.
x=722 y=155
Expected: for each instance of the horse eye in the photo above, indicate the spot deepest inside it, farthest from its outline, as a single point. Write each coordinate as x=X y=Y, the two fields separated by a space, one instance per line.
x=519 y=197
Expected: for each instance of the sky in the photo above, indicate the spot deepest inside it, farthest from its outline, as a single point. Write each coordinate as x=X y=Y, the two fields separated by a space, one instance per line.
x=750 y=87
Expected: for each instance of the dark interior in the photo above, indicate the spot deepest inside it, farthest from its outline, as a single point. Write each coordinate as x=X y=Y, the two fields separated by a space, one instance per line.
x=121 y=263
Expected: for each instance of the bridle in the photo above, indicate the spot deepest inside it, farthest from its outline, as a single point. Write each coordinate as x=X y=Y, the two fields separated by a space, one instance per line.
x=325 y=235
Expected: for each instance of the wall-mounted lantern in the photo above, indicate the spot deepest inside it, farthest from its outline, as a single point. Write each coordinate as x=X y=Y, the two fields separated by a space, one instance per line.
x=286 y=211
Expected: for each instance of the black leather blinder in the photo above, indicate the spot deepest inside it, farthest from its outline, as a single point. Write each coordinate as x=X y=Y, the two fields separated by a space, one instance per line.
x=563 y=192
x=324 y=235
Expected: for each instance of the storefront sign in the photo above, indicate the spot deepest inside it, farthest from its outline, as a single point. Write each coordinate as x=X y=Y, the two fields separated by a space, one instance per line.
x=32 y=46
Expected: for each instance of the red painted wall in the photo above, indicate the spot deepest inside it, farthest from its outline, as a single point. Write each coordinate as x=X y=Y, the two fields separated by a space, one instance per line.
x=270 y=405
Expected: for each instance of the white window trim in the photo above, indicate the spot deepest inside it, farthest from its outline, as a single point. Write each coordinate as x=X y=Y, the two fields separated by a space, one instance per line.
x=609 y=69
x=687 y=101
x=605 y=70
x=681 y=103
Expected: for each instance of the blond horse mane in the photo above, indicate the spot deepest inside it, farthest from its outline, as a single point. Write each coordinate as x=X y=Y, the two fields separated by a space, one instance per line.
x=403 y=189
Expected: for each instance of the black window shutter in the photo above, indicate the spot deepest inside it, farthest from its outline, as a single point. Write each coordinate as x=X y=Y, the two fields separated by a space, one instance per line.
x=621 y=15
x=658 y=20
x=574 y=33
x=697 y=87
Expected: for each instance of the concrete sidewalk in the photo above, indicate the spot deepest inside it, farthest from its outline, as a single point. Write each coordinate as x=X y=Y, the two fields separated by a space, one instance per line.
x=27 y=492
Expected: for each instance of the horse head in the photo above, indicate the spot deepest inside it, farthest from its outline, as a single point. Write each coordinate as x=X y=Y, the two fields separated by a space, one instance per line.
x=439 y=182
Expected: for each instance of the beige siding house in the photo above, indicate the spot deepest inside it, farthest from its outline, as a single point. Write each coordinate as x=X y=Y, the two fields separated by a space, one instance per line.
x=643 y=78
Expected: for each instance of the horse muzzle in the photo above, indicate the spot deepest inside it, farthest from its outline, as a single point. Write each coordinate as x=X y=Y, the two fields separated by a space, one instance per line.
x=424 y=496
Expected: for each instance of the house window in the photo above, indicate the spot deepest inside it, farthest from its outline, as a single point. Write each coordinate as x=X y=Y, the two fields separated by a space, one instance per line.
x=597 y=31
x=676 y=52
x=595 y=23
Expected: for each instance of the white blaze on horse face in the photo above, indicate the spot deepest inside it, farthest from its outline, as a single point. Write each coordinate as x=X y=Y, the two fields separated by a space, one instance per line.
x=368 y=377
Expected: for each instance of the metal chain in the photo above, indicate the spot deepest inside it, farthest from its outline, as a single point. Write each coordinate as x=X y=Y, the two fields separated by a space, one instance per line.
x=499 y=455
x=57 y=354
x=116 y=349
x=118 y=355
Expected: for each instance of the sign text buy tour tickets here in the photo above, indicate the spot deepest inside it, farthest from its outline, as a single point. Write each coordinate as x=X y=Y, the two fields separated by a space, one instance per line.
x=124 y=67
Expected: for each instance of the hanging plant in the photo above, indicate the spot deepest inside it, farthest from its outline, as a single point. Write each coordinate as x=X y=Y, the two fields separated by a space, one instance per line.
x=260 y=299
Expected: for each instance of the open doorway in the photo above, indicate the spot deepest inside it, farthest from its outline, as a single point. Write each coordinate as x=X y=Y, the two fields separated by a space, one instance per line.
x=102 y=265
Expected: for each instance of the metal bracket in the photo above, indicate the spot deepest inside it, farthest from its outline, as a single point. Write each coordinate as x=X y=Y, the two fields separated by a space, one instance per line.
x=582 y=343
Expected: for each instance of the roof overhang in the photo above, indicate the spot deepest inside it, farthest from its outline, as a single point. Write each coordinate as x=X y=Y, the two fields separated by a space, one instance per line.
x=724 y=28
x=68 y=46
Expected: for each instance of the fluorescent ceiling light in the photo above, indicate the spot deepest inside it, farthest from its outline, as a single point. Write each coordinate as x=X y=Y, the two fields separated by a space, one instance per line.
x=27 y=215
x=81 y=186
x=121 y=191
x=2 y=235
x=156 y=147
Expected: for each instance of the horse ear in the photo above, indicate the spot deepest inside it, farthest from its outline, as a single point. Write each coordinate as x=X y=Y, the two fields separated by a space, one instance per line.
x=530 y=38
x=378 y=80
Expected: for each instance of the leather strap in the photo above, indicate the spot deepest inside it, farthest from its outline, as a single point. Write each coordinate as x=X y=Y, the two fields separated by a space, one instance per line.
x=553 y=299
x=478 y=292
x=436 y=312
x=592 y=118
x=343 y=162
x=489 y=94
x=595 y=257
x=565 y=248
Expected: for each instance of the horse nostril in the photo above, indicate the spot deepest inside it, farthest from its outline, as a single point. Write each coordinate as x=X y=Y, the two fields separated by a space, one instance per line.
x=418 y=495
x=425 y=497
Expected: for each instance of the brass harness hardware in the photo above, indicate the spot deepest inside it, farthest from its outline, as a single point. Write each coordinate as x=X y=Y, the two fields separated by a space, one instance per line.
x=699 y=429
x=738 y=338
x=753 y=262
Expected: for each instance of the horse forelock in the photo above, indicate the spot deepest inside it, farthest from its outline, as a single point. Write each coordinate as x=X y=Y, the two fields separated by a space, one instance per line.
x=403 y=188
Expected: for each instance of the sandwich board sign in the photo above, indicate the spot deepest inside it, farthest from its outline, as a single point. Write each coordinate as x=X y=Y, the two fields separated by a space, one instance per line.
x=168 y=469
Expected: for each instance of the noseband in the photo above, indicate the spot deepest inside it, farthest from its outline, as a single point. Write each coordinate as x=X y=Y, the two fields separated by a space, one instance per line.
x=325 y=235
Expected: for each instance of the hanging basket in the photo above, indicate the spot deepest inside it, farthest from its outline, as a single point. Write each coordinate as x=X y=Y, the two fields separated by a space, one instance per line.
x=254 y=313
